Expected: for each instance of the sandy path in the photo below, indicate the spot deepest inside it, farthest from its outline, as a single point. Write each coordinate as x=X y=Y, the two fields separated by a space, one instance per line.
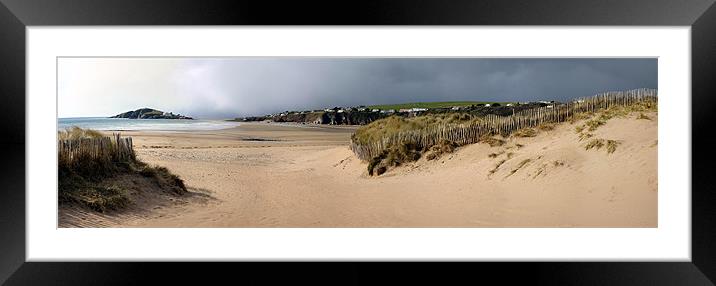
x=282 y=176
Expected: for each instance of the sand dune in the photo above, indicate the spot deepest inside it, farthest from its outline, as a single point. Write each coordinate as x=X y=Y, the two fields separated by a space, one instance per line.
x=268 y=175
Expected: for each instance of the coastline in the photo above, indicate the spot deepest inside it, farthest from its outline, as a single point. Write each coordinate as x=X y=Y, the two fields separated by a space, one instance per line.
x=126 y=124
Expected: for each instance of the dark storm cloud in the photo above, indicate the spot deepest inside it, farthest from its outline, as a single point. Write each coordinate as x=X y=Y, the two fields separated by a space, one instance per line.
x=241 y=86
x=230 y=87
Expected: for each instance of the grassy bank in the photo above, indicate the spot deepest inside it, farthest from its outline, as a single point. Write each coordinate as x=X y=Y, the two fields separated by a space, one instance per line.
x=390 y=126
x=440 y=104
x=102 y=172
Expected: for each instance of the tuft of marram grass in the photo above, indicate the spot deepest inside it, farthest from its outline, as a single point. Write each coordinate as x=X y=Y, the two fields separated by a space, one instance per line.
x=596 y=143
x=74 y=133
x=492 y=141
x=526 y=132
x=497 y=167
x=612 y=146
x=583 y=136
x=619 y=111
x=580 y=116
x=393 y=157
x=542 y=170
x=494 y=155
x=443 y=147
x=546 y=126
x=593 y=124
x=99 y=198
x=643 y=116
x=519 y=166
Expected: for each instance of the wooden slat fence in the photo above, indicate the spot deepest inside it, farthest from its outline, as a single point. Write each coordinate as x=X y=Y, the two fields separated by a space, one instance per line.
x=504 y=125
x=104 y=149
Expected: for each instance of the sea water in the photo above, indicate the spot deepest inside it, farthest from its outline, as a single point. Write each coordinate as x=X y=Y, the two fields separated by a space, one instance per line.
x=126 y=124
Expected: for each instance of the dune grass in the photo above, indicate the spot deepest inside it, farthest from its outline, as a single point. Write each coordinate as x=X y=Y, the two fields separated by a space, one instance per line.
x=443 y=147
x=542 y=170
x=75 y=133
x=546 y=126
x=525 y=132
x=494 y=155
x=600 y=118
x=496 y=168
x=492 y=141
x=86 y=180
x=643 y=116
x=612 y=146
x=596 y=143
x=519 y=166
x=585 y=135
x=381 y=128
x=593 y=124
x=393 y=157
x=579 y=116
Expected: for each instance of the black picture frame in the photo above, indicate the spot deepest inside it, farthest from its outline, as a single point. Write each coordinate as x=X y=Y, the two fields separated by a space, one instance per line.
x=16 y=15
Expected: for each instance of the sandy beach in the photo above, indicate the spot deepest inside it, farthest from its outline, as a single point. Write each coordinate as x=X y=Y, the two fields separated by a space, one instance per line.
x=282 y=175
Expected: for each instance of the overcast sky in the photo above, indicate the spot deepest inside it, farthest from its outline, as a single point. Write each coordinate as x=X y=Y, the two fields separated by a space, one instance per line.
x=232 y=87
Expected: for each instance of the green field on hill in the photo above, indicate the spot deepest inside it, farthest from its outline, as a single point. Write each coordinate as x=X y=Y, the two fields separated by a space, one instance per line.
x=439 y=104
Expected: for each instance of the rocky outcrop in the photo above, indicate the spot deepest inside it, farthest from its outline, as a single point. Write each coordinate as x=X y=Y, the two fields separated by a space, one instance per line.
x=148 y=113
x=351 y=118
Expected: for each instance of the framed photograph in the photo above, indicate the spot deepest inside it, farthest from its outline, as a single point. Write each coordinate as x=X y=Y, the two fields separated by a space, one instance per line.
x=570 y=138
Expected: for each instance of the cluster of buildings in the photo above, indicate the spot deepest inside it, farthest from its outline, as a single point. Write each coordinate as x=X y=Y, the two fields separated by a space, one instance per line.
x=375 y=110
x=411 y=111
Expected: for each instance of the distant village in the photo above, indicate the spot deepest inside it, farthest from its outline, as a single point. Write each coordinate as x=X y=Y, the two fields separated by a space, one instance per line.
x=363 y=114
x=414 y=110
